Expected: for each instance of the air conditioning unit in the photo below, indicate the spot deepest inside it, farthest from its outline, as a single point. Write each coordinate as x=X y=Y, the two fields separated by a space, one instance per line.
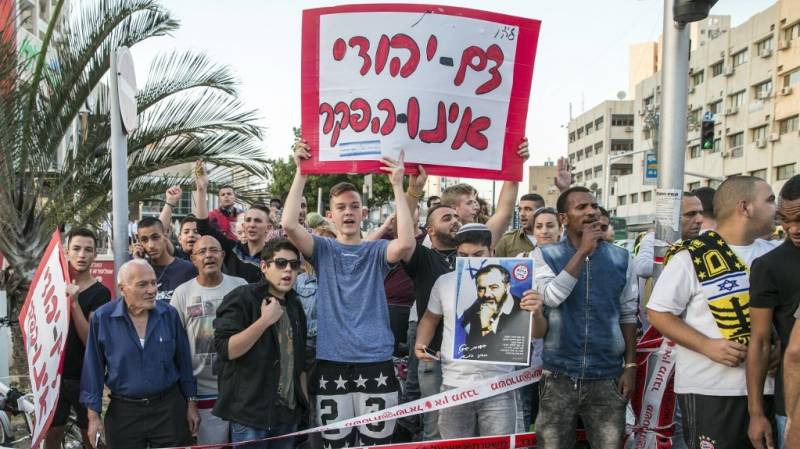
x=641 y=112
x=725 y=154
x=729 y=71
x=761 y=143
x=783 y=44
x=774 y=137
x=763 y=95
x=786 y=90
x=691 y=90
x=732 y=110
x=629 y=129
x=691 y=70
x=765 y=53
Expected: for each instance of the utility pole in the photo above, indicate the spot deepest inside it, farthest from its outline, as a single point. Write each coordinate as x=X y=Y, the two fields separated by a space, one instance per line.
x=673 y=121
x=124 y=120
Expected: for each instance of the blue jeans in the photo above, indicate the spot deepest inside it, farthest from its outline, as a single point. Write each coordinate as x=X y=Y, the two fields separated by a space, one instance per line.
x=780 y=422
x=491 y=416
x=240 y=432
x=430 y=383
x=678 y=442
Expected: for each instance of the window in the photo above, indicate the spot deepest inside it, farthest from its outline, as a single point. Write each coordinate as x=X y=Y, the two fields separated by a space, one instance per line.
x=759 y=173
x=589 y=128
x=598 y=124
x=697 y=78
x=649 y=103
x=736 y=143
x=622 y=120
x=784 y=172
x=694 y=151
x=694 y=116
x=717 y=146
x=572 y=137
x=588 y=174
x=717 y=68
x=572 y=158
x=598 y=147
x=634 y=198
x=618 y=146
x=739 y=58
x=759 y=133
x=763 y=90
x=788 y=125
x=647 y=196
x=588 y=151
x=622 y=200
x=694 y=185
x=580 y=155
x=791 y=78
x=792 y=31
x=736 y=140
x=598 y=171
x=579 y=177
x=764 y=46
x=715 y=107
x=735 y=100
x=579 y=133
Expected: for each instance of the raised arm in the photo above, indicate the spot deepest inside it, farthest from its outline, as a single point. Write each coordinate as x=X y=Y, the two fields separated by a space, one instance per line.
x=204 y=227
x=402 y=246
x=171 y=198
x=498 y=223
x=416 y=187
x=295 y=232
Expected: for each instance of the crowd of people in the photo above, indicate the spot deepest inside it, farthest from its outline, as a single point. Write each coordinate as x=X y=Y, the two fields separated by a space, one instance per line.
x=256 y=323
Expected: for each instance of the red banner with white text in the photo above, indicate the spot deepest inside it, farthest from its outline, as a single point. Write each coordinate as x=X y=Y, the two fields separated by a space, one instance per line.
x=44 y=321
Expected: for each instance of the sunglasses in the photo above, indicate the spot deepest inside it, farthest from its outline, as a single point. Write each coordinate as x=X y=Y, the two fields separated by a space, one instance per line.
x=281 y=263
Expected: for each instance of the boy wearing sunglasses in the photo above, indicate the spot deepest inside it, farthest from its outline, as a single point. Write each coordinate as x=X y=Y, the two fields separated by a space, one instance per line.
x=260 y=338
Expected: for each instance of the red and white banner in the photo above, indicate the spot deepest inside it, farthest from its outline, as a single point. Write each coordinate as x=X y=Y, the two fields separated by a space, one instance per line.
x=448 y=85
x=654 y=400
x=44 y=321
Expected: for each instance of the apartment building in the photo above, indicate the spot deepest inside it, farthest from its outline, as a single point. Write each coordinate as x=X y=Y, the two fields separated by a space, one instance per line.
x=597 y=140
x=748 y=78
x=541 y=180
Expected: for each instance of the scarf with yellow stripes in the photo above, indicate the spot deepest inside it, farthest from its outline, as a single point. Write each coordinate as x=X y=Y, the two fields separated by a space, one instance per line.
x=725 y=282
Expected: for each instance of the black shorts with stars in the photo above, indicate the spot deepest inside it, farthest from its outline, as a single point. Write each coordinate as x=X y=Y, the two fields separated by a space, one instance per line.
x=347 y=390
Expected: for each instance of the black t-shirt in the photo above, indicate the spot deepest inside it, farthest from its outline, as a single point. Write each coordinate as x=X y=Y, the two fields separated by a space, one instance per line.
x=424 y=268
x=774 y=283
x=90 y=300
x=169 y=277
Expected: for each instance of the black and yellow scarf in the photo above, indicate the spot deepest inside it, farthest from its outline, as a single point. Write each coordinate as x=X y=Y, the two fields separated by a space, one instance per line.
x=725 y=281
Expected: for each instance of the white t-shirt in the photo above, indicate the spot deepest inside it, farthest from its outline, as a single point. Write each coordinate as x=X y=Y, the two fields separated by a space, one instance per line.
x=457 y=373
x=197 y=307
x=678 y=291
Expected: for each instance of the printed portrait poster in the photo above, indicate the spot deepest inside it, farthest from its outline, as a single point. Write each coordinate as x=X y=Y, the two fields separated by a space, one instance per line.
x=490 y=326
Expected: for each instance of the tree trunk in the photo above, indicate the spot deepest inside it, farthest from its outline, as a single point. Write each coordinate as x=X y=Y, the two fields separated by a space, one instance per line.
x=18 y=363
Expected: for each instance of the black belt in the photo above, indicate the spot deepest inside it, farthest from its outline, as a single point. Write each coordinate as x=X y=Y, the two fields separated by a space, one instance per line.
x=143 y=401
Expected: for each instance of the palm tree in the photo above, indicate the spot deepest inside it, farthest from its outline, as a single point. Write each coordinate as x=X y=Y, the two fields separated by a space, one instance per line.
x=55 y=103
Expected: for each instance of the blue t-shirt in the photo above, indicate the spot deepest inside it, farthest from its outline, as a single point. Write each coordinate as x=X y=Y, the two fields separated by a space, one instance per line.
x=352 y=313
x=173 y=275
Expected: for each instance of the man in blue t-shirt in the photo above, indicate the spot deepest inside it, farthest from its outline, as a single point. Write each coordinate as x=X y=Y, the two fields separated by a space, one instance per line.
x=354 y=374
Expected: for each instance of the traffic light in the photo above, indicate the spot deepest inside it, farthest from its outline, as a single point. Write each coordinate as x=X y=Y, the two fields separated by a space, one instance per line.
x=707 y=135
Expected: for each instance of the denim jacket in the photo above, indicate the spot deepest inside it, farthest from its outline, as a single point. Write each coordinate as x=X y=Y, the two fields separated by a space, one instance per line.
x=584 y=339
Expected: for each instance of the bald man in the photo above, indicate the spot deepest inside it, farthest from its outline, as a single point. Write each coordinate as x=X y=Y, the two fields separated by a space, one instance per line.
x=196 y=302
x=138 y=349
x=702 y=302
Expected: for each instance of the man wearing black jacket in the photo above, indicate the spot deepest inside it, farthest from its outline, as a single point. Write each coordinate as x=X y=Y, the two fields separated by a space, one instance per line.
x=260 y=334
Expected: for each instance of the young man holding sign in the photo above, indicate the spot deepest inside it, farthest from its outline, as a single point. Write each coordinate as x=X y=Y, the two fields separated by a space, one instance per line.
x=491 y=416
x=354 y=374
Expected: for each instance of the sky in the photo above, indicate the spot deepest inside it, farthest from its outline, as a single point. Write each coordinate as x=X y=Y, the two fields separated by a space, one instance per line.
x=582 y=56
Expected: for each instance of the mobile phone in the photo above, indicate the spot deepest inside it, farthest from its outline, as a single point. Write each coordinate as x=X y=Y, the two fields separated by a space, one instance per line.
x=431 y=352
x=98 y=442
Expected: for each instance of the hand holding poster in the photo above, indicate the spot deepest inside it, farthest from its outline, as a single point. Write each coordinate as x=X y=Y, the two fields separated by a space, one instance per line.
x=45 y=321
x=448 y=85
x=490 y=326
